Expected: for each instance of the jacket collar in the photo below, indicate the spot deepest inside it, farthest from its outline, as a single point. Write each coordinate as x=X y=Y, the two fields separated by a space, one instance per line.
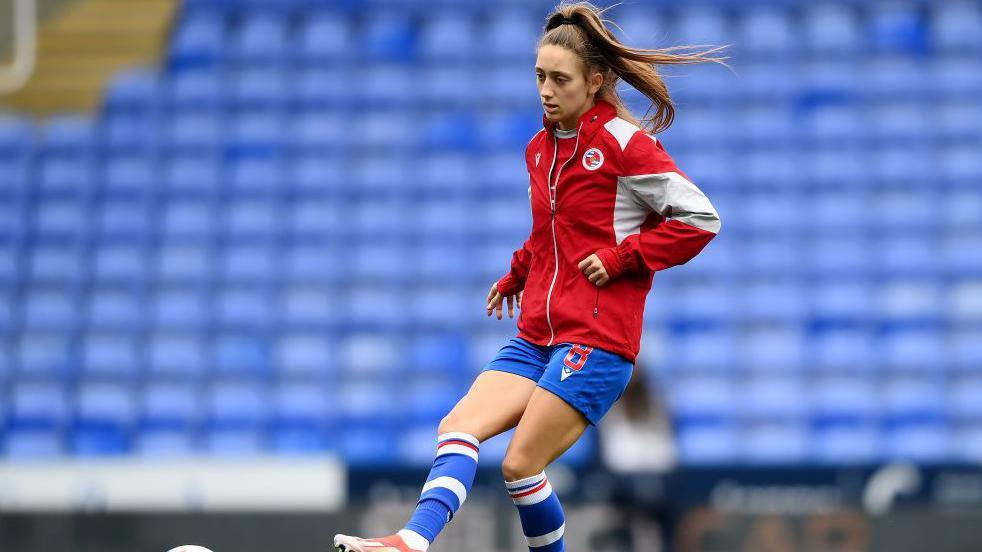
x=594 y=118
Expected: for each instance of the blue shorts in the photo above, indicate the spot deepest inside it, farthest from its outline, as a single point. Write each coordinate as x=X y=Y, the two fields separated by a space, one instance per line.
x=589 y=379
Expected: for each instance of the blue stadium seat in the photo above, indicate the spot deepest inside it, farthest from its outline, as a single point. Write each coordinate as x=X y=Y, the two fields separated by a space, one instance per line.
x=963 y=400
x=774 y=443
x=134 y=91
x=34 y=444
x=255 y=176
x=132 y=176
x=448 y=36
x=704 y=351
x=445 y=175
x=318 y=175
x=832 y=29
x=105 y=416
x=910 y=302
x=903 y=254
x=112 y=355
x=319 y=132
x=115 y=309
x=963 y=207
x=716 y=443
x=248 y=264
x=187 y=221
x=61 y=220
x=847 y=444
x=368 y=445
x=184 y=264
x=257 y=90
x=237 y=412
x=38 y=405
x=252 y=220
x=965 y=300
x=50 y=309
x=131 y=133
x=194 y=132
x=438 y=353
x=45 y=354
x=767 y=32
x=260 y=135
x=164 y=443
x=371 y=353
x=913 y=400
x=500 y=129
x=200 y=41
x=196 y=90
x=844 y=400
x=773 y=300
x=958 y=120
x=378 y=262
x=441 y=88
x=703 y=303
x=454 y=308
x=325 y=37
x=843 y=301
x=954 y=26
x=17 y=136
x=897 y=28
x=774 y=257
x=240 y=355
x=192 y=175
x=508 y=37
x=773 y=398
x=833 y=124
x=967 y=443
x=178 y=308
x=894 y=77
x=305 y=354
x=921 y=351
x=429 y=399
x=843 y=351
x=302 y=412
x=244 y=308
x=436 y=261
x=953 y=258
x=960 y=165
x=66 y=176
x=56 y=265
x=15 y=173
x=310 y=263
x=846 y=256
x=177 y=355
x=321 y=88
x=955 y=78
x=69 y=135
x=315 y=220
x=778 y=349
x=702 y=399
x=309 y=307
x=922 y=443
x=261 y=39
x=388 y=36
x=366 y=401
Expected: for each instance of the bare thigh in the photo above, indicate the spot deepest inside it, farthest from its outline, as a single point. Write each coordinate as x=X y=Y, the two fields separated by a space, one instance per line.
x=494 y=404
x=547 y=429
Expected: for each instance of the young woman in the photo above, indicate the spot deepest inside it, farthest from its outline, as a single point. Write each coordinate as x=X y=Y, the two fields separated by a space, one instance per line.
x=609 y=209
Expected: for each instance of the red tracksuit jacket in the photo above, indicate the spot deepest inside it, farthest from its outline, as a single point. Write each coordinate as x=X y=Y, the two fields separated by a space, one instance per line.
x=620 y=196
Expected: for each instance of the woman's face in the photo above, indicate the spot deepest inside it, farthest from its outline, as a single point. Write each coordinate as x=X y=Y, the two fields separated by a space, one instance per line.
x=563 y=90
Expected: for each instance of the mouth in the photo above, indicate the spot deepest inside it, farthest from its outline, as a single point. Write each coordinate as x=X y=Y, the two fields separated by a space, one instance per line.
x=551 y=107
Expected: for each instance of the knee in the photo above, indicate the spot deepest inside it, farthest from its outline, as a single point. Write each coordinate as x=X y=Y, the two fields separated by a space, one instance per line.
x=517 y=465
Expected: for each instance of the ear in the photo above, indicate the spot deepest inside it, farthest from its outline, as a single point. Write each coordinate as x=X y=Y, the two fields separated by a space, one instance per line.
x=596 y=81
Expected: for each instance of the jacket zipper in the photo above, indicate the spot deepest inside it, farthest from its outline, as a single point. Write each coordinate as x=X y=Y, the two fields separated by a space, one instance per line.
x=596 y=305
x=553 y=195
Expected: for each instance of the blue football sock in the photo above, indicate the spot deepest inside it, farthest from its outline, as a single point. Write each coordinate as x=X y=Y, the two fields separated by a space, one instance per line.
x=447 y=485
x=543 y=521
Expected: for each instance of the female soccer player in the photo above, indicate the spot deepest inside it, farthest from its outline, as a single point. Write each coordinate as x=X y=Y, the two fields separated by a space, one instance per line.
x=609 y=209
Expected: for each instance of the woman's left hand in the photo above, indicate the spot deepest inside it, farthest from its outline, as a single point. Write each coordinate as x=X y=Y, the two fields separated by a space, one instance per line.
x=594 y=270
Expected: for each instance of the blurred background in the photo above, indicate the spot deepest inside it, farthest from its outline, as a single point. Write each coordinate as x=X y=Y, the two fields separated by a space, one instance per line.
x=245 y=247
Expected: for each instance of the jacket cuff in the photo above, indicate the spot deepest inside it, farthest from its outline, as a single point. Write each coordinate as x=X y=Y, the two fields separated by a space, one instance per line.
x=508 y=285
x=611 y=260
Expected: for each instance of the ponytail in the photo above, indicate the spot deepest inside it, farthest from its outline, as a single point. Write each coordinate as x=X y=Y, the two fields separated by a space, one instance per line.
x=578 y=27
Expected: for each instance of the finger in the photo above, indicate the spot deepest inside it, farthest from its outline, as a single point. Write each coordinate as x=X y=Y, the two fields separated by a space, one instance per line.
x=590 y=270
x=603 y=280
x=511 y=306
x=520 y=294
x=501 y=304
x=494 y=289
x=582 y=263
x=492 y=302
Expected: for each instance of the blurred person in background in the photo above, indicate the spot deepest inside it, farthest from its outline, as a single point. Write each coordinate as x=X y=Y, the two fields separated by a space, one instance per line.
x=637 y=445
x=609 y=209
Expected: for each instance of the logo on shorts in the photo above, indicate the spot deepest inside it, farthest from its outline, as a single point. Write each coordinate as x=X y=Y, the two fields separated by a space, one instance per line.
x=593 y=159
x=575 y=360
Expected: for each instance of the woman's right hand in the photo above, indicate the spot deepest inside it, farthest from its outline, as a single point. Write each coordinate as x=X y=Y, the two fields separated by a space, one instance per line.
x=496 y=301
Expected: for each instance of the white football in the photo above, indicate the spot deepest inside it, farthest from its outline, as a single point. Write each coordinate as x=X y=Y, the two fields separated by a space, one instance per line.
x=189 y=548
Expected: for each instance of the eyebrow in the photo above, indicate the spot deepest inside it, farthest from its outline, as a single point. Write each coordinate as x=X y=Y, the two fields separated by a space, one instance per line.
x=567 y=75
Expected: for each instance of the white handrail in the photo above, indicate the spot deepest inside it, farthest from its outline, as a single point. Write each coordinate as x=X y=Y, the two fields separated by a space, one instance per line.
x=14 y=76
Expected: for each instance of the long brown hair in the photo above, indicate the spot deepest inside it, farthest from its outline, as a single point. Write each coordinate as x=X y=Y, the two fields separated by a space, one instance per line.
x=600 y=51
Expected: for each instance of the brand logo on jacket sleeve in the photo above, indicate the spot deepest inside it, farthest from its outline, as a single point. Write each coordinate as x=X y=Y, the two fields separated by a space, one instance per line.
x=593 y=159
